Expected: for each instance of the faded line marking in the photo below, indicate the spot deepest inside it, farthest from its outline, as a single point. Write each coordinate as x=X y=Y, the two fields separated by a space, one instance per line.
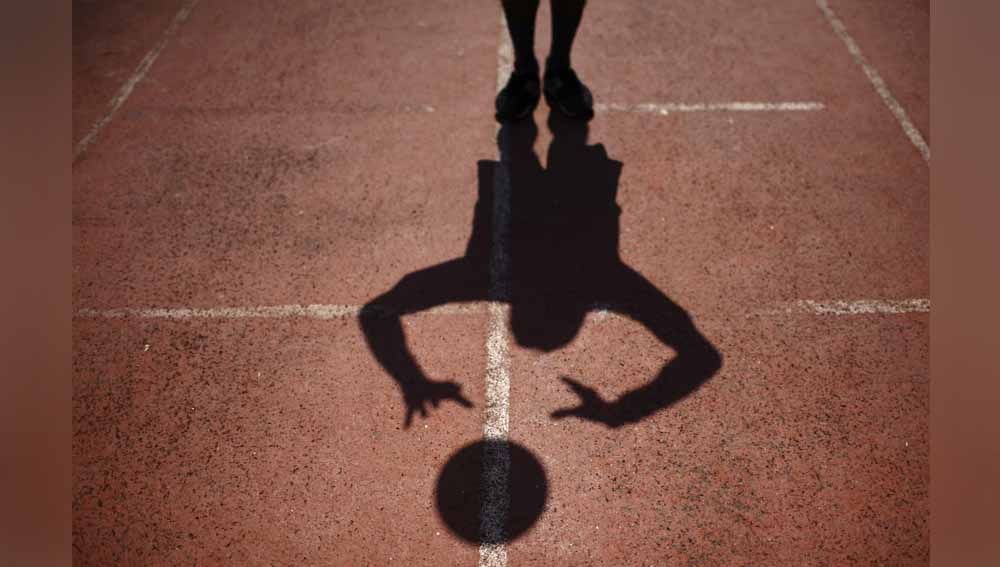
x=857 y=307
x=137 y=76
x=496 y=425
x=876 y=80
x=273 y=312
x=498 y=311
x=603 y=312
x=669 y=107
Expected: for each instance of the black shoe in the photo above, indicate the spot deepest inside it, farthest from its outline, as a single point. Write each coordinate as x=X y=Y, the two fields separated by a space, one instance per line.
x=519 y=98
x=565 y=92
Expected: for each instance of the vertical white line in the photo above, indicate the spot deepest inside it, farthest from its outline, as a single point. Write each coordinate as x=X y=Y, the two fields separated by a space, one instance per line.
x=137 y=76
x=496 y=453
x=876 y=80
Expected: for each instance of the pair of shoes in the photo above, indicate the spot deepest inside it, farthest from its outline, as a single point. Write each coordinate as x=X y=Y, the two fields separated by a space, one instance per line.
x=563 y=92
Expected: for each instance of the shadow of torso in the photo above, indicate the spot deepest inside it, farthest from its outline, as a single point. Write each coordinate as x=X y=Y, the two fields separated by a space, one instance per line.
x=546 y=241
x=563 y=240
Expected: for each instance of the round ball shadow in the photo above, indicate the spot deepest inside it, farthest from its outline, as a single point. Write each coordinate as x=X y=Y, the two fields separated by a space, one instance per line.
x=459 y=493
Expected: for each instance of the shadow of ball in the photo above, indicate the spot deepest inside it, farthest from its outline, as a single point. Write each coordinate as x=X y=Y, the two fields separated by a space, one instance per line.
x=460 y=491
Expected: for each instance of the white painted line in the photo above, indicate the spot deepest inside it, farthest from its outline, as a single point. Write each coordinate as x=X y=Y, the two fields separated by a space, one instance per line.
x=498 y=310
x=669 y=107
x=137 y=76
x=269 y=312
x=420 y=108
x=876 y=80
x=858 y=307
x=505 y=56
x=496 y=425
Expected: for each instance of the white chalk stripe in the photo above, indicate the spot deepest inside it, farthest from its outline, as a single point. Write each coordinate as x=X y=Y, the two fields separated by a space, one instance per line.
x=859 y=306
x=496 y=423
x=498 y=311
x=876 y=80
x=140 y=72
x=270 y=312
x=505 y=57
x=666 y=108
x=603 y=311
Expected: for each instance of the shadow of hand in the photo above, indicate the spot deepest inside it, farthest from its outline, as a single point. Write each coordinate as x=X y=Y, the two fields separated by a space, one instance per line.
x=592 y=407
x=417 y=395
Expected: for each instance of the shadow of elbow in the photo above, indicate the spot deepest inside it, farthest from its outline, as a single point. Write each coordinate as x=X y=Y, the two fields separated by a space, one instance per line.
x=370 y=315
x=713 y=359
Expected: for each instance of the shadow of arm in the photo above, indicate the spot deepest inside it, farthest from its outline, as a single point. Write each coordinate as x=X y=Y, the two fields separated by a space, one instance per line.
x=381 y=323
x=696 y=360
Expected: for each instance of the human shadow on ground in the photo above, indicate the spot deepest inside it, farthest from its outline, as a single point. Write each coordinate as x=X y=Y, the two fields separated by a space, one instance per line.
x=553 y=257
x=561 y=237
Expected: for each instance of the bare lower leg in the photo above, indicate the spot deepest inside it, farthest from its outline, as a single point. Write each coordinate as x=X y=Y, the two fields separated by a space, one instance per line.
x=566 y=16
x=520 y=16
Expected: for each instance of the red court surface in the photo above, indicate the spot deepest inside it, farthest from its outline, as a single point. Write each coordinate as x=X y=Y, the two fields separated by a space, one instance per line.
x=247 y=177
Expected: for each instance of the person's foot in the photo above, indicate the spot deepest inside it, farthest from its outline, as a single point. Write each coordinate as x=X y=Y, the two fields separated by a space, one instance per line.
x=565 y=93
x=519 y=97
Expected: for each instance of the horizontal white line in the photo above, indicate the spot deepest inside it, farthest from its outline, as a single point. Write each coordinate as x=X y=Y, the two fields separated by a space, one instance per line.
x=600 y=311
x=668 y=107
x=268 y=312
x=858 y=307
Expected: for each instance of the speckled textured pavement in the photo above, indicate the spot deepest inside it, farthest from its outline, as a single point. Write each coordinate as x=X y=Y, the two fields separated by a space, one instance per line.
x=316 y=153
